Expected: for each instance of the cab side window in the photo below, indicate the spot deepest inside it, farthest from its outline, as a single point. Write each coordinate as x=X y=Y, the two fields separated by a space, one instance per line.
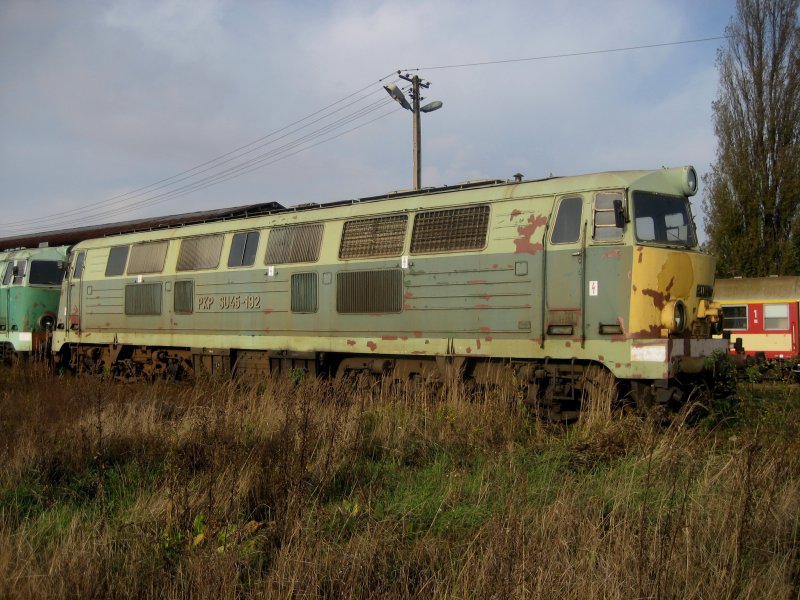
x=79 y=263
x=22 y=269
x=607 y=206
x=567 y=228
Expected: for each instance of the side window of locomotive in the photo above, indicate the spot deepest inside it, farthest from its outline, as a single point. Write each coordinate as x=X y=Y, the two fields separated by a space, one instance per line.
x=450 y=230
x=3 y=269
x=200 y=253
x=776 y=317
x=21 y=270
x=148 y=257
x=80 y=262
x=243 y=249
x=607 y=206
x=734 y=318
x=293 y=244
x=46 y=272
x=9 y=273
x=117 y=258
x=367 y=238
x=567 y=228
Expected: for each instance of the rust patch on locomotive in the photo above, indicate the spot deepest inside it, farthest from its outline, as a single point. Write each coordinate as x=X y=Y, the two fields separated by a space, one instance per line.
x=523 y=242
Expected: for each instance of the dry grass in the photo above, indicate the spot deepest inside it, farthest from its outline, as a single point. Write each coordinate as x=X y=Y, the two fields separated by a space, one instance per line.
x=332 y=489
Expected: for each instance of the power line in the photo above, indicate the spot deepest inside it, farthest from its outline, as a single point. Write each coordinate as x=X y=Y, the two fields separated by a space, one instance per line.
x=238 y=162
x=122 y=203
x=568 y=55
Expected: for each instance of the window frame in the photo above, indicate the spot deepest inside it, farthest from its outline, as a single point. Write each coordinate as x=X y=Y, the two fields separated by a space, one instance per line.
x=247 y=236
x=746 y=317
x=553 y=231
x=786 y=317
x=124 y=265
x=595 y=211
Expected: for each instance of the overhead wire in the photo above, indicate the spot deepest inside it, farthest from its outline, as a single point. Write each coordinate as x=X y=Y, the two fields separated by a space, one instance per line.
x=271 y=157
x=121 y=203
x=215 y=171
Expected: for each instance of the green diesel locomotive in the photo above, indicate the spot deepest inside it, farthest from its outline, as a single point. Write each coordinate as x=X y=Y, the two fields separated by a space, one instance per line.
x=30 y=286
x=559 y=279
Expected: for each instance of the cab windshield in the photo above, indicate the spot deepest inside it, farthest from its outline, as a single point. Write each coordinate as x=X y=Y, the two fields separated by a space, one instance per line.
x=662 y=219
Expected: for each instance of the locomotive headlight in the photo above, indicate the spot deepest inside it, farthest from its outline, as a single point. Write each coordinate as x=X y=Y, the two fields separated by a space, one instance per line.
x=47 y=321
x=689 y=181
x=673 y=316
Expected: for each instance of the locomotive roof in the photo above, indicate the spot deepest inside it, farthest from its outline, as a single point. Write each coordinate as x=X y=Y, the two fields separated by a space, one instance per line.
x=658 y=179
x=757 y=289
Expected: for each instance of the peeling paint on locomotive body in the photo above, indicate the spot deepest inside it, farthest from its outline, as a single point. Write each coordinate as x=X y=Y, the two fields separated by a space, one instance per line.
x=30 y=286
x=584 y=299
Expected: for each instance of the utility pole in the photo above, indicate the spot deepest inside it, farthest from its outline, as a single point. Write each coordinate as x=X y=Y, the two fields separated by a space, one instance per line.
x=415 y=109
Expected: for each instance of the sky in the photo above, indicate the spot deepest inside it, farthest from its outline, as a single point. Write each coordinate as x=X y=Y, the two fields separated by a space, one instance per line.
x=119 y=109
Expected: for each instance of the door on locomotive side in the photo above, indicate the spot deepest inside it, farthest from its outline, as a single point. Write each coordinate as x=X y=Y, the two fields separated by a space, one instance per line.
x=565 y=269
x=14 y=277
x=607 y=263
x=74 y=292
x=5 y=317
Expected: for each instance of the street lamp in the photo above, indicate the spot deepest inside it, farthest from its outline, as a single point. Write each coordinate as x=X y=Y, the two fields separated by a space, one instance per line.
x=396 y=93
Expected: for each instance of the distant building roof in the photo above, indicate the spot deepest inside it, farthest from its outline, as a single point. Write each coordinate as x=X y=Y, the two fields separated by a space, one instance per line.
x=67 y=237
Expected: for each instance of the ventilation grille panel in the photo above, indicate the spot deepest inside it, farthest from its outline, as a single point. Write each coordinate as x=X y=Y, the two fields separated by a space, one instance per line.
x=200 y=253
x=450 y=230
x=382 y=236
x=304 y=293
x=143 y=299
x=294 y=244
x=184 y=296
x=365 y=292
x=147 y=258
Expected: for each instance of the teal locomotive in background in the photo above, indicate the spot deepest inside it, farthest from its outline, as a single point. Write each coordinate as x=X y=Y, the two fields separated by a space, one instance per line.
x=30 y=286
x=563 y=279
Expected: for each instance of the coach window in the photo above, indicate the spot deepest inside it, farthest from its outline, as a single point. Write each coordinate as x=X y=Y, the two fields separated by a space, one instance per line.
x=734 y=317
x=776 y=316
x=243 y=249
x=567 y=228
x=117 y=257
x=607 y=213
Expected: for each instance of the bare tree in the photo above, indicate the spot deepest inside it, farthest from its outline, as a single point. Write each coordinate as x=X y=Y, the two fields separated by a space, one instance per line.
x=752 y=208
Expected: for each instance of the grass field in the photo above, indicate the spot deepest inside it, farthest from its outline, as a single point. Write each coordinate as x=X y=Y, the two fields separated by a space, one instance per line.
x=321 y=489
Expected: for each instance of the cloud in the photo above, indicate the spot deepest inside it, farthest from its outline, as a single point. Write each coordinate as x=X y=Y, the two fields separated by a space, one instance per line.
x=106 y=97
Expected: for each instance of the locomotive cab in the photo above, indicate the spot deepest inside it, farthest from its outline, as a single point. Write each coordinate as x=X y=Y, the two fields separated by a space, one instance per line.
x=30 y=282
